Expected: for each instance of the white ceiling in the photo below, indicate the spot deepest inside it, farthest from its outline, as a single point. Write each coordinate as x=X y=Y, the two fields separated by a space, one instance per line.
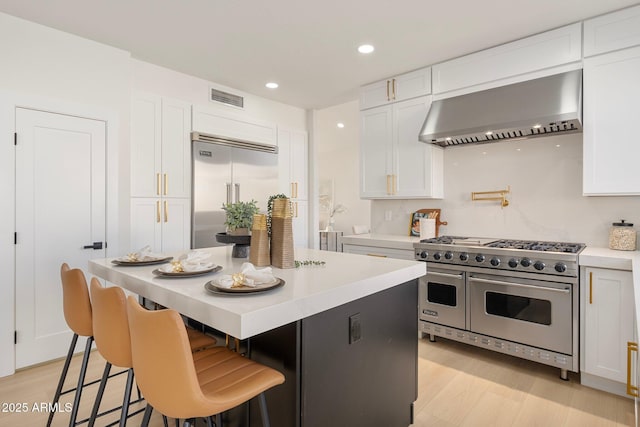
x=309 y=48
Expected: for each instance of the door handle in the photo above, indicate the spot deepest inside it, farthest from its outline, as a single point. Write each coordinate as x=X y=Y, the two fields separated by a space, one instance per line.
x=96 y=246
x=519 y=285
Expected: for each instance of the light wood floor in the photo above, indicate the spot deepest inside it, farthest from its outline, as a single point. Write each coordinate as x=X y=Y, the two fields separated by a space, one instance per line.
x=458 y=385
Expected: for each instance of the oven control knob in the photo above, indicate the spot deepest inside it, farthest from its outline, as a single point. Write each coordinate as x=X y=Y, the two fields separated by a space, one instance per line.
x=424 y=254
x=448 y=255
x=495 y=261
x=437 y=256
x=464 y=256
x=480 y=258
x=561 y=267
x=539 y=265
x=526 y=262
x=513 y=263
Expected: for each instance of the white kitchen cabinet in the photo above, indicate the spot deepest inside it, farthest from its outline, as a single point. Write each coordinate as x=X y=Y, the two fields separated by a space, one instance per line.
x=163 y=224
x=516 y=61
x=160 y=147
x=293 y=167
x=398 y=88
x=613 y=31
x=300 y=223
x=610 y=148
x=394 y=163
x=608 y=325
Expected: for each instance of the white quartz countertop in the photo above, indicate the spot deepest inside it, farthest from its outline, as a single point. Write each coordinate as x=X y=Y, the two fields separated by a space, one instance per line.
x=308 y=290
x=618 y=260
x=381 y=240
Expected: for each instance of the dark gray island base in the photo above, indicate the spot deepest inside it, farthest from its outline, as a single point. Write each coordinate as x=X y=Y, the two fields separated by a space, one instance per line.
x=353 y=365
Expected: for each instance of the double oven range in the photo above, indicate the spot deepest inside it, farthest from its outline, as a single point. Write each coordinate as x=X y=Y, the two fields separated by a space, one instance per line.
x=512 y=296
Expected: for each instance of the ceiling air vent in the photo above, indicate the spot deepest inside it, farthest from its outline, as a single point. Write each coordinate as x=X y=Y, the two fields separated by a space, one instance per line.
x=226 y=98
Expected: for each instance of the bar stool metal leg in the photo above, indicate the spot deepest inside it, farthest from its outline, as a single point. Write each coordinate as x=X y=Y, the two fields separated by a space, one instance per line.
x=263 y=410
x=83 y=372
x=127 y=397
x=63 y=376
x=103 y=384
x=147 y=416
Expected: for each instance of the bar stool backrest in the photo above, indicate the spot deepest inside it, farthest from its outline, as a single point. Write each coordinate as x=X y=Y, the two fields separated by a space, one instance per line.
x=111 y=324
x=163 y=363
x=76 y=302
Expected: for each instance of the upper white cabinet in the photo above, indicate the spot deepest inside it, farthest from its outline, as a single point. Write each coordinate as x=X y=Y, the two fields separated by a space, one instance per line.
x=511 y=60
x=293 y=168
x=394 y=163
x=611 y=32
x=398 y=88
x=233 y=125
x=160 y=147
x=610 y=116
x=608 y=325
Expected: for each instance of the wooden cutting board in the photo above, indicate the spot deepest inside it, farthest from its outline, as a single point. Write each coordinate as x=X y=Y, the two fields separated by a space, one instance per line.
x=426 y=213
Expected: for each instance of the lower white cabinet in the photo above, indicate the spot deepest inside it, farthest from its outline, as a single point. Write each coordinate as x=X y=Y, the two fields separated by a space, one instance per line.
x=300 y=223
x=608 y=325
x=163 y=224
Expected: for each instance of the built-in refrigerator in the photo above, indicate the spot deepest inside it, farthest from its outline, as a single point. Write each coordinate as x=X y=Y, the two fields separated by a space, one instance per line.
x=227 y=171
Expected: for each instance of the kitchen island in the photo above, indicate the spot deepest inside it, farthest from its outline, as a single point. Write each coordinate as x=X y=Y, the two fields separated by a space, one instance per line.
x=344 y=334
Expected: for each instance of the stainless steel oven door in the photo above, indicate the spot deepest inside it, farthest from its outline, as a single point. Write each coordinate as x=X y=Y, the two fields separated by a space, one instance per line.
x=532 y=312
x=442 y=297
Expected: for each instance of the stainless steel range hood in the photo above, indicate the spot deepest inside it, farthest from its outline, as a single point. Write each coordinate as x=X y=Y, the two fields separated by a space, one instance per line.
x=541 y=107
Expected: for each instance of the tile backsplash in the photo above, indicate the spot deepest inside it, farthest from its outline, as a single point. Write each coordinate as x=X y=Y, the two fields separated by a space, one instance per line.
x=545 y=202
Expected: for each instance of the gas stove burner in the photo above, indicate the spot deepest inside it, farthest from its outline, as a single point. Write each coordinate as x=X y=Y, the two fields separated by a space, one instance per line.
x=537 y=246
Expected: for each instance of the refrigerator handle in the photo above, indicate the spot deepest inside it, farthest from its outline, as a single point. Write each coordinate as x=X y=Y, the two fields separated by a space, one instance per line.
x=237 y=193
x=228 y=192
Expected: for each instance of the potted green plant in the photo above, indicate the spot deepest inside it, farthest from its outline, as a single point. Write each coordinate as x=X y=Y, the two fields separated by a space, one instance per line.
x=240 y=217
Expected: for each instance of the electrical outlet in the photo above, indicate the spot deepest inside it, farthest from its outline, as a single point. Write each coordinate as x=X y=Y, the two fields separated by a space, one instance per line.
x=355 y=328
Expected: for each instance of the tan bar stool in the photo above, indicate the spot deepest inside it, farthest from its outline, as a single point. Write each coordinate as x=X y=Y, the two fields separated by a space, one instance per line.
x=186 y=386
x=77 y=314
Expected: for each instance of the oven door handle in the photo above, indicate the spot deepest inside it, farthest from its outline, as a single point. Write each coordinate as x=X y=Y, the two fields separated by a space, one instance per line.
x=435 y=273
x=520 y=285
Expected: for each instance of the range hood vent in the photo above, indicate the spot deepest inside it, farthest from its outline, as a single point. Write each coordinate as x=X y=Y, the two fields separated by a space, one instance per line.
x=547 y=106
x=233 y=142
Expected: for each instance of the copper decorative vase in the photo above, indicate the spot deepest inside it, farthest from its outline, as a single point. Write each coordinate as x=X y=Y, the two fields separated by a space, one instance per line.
x=282 y=234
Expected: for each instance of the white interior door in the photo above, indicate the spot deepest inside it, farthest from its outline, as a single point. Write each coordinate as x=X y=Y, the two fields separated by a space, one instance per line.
x=60 y=208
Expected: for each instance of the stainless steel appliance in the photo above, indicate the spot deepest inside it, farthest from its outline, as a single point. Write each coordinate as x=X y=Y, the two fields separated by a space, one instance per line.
x=512 y=296
x=226 y=171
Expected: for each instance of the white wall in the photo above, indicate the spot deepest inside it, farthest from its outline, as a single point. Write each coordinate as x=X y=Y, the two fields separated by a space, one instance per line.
x=337 y=160
x=152 y=78
x=50 y=70
x=546 y=202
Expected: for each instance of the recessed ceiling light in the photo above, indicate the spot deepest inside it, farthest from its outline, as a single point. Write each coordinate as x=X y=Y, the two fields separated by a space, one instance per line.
x=365 y=48
x=448 y=138
x=272 y=85
x=340 y=125
x=538 y=126
x=488 y=133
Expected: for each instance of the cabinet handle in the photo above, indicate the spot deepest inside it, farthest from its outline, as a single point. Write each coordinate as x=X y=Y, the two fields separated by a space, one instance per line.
x=158 y=184
x=377 y=255
x=394 y=184
x=393 y=89
x=157 y=210
x=237 y=193
x=591 y=287
x=166 y=183
x=292 y=196
x=166 y=211
x=388 y=98
x=632 y=390
x=295 y=209
x=296 y=190
x=388 y=186
x=228 y=192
